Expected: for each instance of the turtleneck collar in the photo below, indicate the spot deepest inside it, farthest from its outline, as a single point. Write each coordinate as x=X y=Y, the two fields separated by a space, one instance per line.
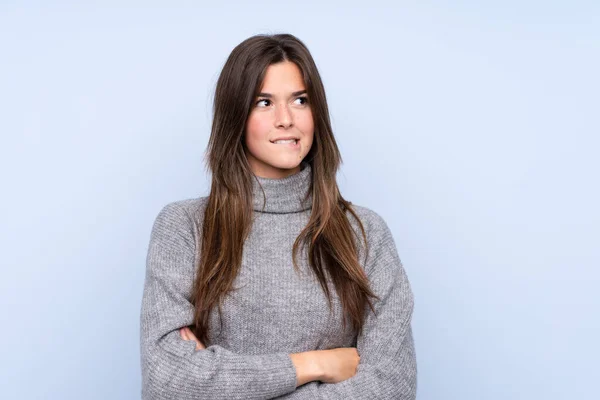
x=283 y=195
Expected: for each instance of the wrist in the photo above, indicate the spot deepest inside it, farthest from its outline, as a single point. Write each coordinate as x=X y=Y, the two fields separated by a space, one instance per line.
x=317 y=366
x=308 y=366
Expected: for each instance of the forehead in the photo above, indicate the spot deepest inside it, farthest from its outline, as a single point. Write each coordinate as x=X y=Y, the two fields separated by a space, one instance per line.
x=284 y=76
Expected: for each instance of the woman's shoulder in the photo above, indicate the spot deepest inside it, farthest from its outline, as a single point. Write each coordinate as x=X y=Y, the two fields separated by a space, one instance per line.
x=182 y=210
x=191 y=210
x=373 y=222
x=380 y=240
x=189 y=205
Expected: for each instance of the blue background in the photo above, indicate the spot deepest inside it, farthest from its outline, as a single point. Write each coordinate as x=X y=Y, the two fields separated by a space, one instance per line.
x=471 y=127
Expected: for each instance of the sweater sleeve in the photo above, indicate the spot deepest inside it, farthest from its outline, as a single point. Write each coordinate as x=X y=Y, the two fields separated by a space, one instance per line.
x=387 y=367
x=171 y=367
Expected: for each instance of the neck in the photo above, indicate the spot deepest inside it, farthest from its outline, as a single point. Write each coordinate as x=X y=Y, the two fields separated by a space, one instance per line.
x=284 y=195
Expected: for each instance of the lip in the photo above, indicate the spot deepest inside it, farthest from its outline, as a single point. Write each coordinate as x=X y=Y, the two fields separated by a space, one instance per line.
x=295 y=145
x=285 y=138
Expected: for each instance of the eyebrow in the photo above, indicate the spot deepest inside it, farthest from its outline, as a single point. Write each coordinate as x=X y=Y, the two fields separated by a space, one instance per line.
x=299 y=92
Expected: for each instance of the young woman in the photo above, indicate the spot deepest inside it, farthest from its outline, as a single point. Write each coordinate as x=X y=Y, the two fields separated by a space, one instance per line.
x=274 y=285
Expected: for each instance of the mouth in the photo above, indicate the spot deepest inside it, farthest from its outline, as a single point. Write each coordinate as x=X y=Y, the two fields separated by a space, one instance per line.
x=290 y=142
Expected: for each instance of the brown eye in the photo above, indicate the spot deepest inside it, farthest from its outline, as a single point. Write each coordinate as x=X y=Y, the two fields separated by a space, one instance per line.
x=304 y=99
x=261 y=100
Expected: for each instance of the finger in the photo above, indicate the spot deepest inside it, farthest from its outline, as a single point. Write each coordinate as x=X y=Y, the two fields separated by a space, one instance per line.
x=199 y=344
x=191 y=336
x=183 y=333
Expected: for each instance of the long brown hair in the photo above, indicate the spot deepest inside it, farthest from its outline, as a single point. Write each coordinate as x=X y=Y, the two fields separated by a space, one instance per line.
x=332 y=250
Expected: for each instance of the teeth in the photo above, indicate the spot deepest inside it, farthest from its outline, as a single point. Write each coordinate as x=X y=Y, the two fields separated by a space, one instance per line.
x=285 y=141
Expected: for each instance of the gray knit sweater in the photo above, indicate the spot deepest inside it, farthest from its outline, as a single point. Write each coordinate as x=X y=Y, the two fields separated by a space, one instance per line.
x=275 y=311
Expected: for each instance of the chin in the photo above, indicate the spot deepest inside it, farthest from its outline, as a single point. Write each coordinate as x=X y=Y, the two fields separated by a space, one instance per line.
x=277 y=169
x=287 y=165
x=282 y=162
x=274 y=164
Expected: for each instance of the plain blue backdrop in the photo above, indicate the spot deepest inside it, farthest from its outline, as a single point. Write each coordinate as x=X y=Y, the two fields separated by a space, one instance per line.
x=471 y=127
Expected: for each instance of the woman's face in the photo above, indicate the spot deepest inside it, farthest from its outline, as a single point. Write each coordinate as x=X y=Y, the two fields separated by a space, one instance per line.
x=280 y=111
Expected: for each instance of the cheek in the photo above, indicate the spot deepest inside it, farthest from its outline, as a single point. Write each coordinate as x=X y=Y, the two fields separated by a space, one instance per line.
x=256 y=130
x=306 y=124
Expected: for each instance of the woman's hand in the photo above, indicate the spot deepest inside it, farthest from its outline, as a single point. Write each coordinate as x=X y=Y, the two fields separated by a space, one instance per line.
x=186 y=334
x=338 y=364
x=329 y=366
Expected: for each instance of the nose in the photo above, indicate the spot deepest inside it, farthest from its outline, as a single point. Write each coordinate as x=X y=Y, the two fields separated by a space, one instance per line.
x=283 y=116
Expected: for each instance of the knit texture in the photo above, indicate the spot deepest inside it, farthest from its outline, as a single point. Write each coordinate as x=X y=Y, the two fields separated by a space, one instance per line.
x=274 y=310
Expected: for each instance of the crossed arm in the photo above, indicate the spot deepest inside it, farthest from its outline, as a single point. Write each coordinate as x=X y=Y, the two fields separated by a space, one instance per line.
x=372 y=372
x=173 y=368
